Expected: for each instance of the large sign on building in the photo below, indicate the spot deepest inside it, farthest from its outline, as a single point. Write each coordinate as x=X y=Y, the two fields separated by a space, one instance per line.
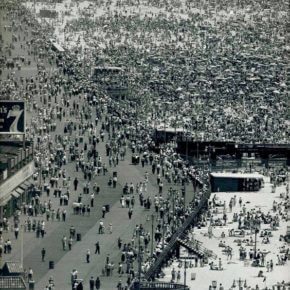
x=12 y=117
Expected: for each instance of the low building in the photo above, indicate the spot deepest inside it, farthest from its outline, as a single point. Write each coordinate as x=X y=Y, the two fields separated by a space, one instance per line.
x=12 y=269
x=227 y=181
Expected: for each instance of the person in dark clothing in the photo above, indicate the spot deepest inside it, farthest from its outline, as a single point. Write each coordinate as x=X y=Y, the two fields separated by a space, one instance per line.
x=80 y=286
x=98 y=283
x=43 y=254
x=97 y=251
x=119 y=285
x=119 y=243
x=92 y=283
x=76 y=182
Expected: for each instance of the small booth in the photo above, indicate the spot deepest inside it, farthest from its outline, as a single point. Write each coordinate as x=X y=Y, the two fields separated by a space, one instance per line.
x=227 y=181
x=12 y=269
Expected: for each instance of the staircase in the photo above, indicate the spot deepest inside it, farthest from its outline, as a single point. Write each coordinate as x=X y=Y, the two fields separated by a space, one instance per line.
x=155 y=268
x=196 y=247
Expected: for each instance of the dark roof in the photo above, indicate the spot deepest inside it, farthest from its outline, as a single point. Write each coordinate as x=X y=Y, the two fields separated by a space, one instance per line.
x=13 y=267
x=12 y=283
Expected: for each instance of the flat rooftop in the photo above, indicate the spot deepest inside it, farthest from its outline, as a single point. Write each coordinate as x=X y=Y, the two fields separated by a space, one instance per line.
x=236 y=175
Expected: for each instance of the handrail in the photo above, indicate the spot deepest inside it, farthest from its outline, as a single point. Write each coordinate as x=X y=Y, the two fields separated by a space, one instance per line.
x=162 y=285
x=196 y=245
x=190 y=219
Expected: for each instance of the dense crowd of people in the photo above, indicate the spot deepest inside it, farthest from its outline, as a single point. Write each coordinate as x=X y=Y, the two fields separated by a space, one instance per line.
x=214 y=70
x=223 y=65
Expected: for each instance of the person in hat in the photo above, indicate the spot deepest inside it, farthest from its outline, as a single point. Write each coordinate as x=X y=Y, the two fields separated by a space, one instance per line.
x=92 y=283
x=98 y=283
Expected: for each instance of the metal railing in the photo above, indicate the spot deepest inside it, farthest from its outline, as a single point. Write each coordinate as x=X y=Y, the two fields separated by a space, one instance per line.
x=196 y=246
x=155 y=268
x=158 y=285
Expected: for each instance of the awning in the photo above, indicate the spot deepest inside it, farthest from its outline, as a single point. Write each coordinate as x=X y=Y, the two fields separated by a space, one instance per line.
x=28 y=183
x=15 y=194
x=19 y=190
x=25 y=185
x=4 y=201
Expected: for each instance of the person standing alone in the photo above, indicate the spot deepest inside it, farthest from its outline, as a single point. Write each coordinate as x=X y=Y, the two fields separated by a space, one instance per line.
x=88 y=255
x=43 y=252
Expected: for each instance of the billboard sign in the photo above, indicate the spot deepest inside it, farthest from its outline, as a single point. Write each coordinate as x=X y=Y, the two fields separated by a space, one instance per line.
x=12 y=117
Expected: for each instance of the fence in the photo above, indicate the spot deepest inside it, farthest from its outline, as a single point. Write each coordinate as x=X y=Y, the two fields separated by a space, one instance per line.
x=158 y=285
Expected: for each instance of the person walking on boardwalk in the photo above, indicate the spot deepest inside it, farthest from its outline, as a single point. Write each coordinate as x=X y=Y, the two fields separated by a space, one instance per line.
x=97 y=250
x=92 y=283
x=76 y=182
x=43 y=254
x=130 y=212
x=88 y=255
x=98 y=283
x=64 y=242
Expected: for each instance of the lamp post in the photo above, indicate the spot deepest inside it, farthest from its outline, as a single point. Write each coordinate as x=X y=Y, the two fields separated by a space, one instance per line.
x=186 y=145
x=185 y=267
x=256 y=228
x=152 y=232
x=139 y=258
x=173 y=195
x=255 y=248
x=21 y=245
x=163 y=232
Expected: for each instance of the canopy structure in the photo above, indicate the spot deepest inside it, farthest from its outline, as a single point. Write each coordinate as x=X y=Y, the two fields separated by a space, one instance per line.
x=237 y=175
x=233 y=182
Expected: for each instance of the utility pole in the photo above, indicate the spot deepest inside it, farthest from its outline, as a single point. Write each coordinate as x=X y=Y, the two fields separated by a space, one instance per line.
x=185 y=266
x=184 y=196
x=163 y=232
x=186 y=144
x=139 y=259
x=255 y=248
x=255 y=224
x=21 y=254
x=173 y=194
x=152 y=232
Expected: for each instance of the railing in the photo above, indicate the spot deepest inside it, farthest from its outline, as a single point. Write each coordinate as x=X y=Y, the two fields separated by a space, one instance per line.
x=196 y=245
x=155 y=268
x=158 y=285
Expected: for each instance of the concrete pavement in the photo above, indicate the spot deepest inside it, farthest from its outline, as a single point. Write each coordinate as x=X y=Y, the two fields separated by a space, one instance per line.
x=65 y=261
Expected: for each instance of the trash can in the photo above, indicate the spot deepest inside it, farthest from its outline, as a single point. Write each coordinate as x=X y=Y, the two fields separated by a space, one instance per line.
x=135 y=159
x=107 y=206
x=79 y=237
x=31 y=285
x=51 y=265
